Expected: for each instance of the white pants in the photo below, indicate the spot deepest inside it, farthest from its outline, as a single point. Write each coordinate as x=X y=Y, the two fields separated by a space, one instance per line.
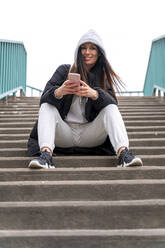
x=53 y=131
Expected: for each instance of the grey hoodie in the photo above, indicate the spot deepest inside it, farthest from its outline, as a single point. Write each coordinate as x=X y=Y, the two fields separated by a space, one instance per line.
x=77 y=110
x=90 y=36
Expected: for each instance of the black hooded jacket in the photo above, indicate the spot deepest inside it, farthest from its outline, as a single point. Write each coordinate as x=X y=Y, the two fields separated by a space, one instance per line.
x=92 y=109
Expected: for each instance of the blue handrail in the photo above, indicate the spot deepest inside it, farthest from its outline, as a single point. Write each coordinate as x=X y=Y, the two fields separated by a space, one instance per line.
x=13 y=59
x=155 y=75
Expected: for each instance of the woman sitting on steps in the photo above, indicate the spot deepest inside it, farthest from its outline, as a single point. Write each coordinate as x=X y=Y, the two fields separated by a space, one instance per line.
x=78 y=110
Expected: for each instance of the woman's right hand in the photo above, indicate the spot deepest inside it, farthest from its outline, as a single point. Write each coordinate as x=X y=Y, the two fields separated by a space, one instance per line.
x=67 y=88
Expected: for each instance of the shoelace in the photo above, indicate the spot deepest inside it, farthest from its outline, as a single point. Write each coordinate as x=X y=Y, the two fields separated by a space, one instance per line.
x=125 y=153
x=45 y=156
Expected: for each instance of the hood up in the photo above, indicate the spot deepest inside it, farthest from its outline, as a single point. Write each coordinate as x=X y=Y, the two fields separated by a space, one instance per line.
x=90 y=36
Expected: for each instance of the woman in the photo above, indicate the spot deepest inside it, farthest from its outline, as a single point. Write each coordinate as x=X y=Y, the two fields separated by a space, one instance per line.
x=81 y=116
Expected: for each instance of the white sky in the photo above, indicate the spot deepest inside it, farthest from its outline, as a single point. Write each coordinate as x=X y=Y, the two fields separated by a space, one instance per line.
x=50 y=31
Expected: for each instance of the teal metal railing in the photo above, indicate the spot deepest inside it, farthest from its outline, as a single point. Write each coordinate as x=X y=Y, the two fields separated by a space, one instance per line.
x=155 y=75
x=13 y=59
x=33 y=89
x=130 y=93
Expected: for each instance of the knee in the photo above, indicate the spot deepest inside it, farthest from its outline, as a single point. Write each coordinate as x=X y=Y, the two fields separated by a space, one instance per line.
x=48 y=108
x=110 y=109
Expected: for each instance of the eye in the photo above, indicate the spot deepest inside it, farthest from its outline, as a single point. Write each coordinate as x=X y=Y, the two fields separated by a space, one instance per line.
x=93 y=48
x=83 y=48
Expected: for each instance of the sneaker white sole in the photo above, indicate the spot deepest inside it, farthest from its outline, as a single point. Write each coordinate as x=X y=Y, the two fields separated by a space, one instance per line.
x=134 y=162
x=36 y=165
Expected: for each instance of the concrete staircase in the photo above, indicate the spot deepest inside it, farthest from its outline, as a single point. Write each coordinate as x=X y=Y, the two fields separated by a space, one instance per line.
x=86 y=201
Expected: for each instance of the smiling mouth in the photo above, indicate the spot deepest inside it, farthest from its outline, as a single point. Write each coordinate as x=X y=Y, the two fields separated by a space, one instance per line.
x=87 y=58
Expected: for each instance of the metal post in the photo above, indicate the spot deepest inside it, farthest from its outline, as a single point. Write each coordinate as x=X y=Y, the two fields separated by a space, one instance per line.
x=22 y=93
x=154 y=92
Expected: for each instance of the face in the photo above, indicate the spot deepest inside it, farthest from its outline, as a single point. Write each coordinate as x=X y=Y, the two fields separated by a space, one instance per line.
x=89 y=52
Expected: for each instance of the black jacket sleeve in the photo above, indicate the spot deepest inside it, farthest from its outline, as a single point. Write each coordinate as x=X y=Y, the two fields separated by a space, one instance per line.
x=104 y=98
x=93 y=107
x=55 y=82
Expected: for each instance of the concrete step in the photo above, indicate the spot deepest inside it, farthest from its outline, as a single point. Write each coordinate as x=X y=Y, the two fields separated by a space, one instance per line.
x=19 y=109
x=147 y=150
x=18 y=119
x=18 y=115
x=123 y=103
x=145 y=123
x=137 y=150
x=21 y=101
x=137 y=108
x=139 y=98
x=137 y=238
x=158 y=134
x=18 y=136
x=133 y=142
x=22 y=112
x=13 y=143
x=31 y=98
x=152 y=102
x=15 y=130
x=62 y=161
x=21 y=104
x=127 y=123
x=141 y=113
x=125 y=111
x=141 y=101
x=13 y=152
x=147 y=142
x=131 y=135
x=141 y=110
x=125 y=118
x=80 y=161
x=16 y=124
x=122 y=106
x=141 y=104
x=86 y=173
x=130 y=129
x=151 y=128
x=133 y=103
x=82 y=190
x=146 y=117
x=96 y=215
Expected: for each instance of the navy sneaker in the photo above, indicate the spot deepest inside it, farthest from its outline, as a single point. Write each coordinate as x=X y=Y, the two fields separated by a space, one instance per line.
x=127 y=159
x=45 y=161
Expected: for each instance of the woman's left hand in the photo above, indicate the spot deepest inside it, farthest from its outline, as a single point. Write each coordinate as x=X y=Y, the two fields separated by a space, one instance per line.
x=87 y=91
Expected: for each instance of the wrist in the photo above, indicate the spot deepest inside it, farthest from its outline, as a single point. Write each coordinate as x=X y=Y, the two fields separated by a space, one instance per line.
x=58 y=94
x=95 y=95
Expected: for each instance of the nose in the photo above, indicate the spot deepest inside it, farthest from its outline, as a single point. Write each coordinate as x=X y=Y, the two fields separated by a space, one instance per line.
x=87 y=51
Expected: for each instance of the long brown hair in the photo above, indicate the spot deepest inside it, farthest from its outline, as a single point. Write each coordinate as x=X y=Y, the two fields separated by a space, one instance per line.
x=102 y=70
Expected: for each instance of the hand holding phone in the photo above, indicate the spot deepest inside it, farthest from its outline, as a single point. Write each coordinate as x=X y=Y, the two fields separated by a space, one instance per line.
x=69 y=87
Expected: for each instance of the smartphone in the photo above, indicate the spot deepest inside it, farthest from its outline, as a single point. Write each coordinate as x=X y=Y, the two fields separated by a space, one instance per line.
x=74 y=77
